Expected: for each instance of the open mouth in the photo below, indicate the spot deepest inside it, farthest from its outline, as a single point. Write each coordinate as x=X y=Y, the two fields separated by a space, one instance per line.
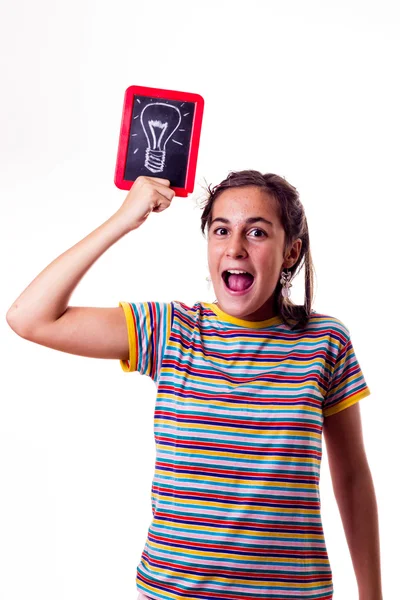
x=238 y=283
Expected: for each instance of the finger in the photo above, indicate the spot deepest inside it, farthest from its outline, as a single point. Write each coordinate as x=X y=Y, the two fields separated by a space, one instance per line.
x=160 y=202
x=160 y=180
x=164 y=191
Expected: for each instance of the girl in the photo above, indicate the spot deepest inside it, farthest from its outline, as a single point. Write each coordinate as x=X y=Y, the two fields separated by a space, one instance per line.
x=245 y=388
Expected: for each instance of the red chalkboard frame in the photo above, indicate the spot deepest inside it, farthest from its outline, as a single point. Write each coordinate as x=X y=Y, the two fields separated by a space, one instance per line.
x=130 y=93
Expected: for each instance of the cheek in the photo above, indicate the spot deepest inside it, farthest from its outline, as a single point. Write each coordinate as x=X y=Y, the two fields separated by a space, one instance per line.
x=213 y=257
x=210 y=259
x=270 y=264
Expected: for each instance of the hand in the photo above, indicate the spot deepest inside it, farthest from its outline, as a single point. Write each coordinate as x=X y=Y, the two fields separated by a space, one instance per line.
x=147 y=194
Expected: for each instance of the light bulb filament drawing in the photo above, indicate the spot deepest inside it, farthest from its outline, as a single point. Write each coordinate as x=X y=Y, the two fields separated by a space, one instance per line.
x=153 y=127
x=158 y=119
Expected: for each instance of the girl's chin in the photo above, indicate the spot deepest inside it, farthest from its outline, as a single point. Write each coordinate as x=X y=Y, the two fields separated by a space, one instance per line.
x=246 y=312
x=252 y=311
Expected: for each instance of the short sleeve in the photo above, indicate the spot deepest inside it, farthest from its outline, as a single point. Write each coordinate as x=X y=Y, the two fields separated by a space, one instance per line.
x=149 y=326
x=347 y=383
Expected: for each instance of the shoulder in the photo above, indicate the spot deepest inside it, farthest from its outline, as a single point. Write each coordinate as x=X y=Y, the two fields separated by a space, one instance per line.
x=329 y=325
x=187 y=313
x=201 y=315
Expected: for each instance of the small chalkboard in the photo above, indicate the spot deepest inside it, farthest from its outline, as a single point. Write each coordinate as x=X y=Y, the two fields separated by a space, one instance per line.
x=160 y=135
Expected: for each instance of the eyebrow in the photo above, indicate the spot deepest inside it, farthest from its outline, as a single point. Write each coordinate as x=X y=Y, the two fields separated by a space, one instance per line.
x=248 y=221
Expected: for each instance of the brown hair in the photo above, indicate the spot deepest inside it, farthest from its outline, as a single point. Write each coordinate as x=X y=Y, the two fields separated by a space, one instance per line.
x=294 y=222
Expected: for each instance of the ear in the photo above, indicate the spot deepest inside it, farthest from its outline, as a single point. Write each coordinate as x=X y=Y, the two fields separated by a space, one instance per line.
x=293 y=255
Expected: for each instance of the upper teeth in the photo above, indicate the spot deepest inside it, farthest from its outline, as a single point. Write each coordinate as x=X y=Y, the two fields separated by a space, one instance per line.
x=236 y=271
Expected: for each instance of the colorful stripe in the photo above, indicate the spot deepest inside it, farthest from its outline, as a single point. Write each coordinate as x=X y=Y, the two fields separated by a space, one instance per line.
x=238 y=429
x=131 y=364
x=149 y=328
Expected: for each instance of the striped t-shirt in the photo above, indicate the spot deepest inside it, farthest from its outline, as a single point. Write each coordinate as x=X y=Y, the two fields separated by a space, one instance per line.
x=238 y=421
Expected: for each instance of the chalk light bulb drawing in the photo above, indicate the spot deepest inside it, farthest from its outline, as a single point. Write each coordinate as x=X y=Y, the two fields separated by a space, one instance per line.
x=159 y=124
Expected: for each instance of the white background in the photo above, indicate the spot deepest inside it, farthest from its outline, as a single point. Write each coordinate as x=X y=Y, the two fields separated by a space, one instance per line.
x=76 y=434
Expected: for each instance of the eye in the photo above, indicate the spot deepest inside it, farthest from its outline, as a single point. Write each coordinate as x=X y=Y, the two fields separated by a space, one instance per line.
x=260 y=231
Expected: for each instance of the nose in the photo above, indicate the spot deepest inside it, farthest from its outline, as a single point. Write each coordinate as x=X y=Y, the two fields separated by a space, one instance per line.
x=236 y=246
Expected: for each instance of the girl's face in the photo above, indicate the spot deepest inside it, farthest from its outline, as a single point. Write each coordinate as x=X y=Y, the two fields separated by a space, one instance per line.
x=246 y=234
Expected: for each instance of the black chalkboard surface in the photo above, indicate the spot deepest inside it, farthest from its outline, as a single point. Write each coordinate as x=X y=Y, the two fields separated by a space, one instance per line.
x=159 y=137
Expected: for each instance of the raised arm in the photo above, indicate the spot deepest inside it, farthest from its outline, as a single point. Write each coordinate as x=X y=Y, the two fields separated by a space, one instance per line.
x=41 y=313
